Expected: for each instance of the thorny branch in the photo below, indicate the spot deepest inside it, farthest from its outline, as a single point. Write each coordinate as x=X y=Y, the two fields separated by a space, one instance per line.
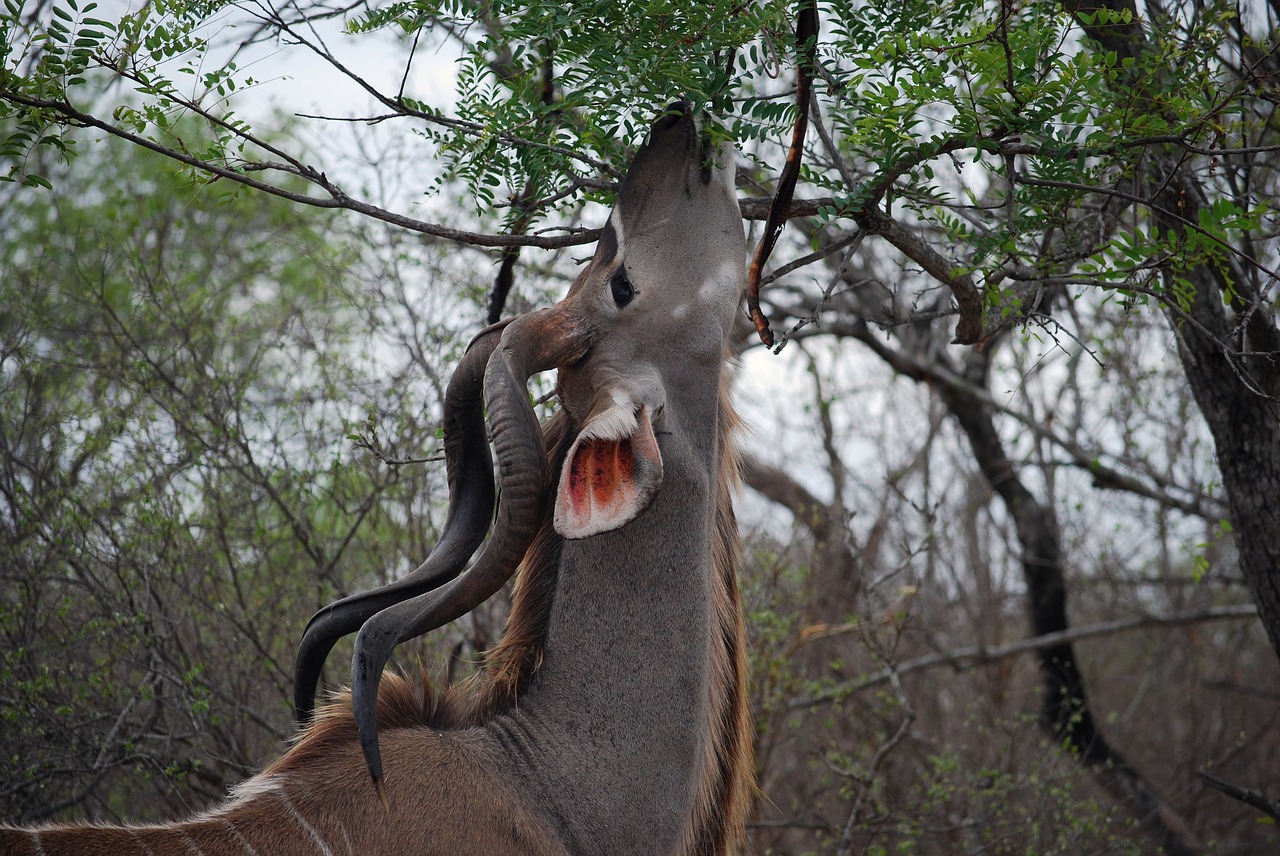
x=337 y=199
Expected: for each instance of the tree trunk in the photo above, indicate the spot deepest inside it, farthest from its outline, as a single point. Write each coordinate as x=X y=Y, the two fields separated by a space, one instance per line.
x=1236 y=396
x=1229 y=353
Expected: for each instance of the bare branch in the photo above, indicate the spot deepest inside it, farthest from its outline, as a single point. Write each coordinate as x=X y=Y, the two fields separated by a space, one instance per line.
x=1249 y=797
x=337 y=199
x=1089 y=460
x=978 y=655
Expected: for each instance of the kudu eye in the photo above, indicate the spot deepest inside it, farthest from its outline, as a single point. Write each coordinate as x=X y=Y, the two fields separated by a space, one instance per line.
x=621 y=288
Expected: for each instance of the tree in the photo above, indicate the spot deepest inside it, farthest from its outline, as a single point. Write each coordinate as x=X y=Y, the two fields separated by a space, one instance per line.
x=177 y=372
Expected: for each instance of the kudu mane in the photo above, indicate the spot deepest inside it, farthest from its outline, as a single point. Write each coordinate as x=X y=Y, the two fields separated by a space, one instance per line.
x=727 y=777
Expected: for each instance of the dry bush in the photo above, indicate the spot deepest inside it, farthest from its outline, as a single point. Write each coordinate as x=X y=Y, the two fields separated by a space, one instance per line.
x=953 y=759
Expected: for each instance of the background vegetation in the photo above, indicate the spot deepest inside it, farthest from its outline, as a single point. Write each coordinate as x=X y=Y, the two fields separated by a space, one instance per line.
x=1013 y=483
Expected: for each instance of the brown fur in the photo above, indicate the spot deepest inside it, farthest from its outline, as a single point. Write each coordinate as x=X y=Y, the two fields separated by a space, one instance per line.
x=728 y=777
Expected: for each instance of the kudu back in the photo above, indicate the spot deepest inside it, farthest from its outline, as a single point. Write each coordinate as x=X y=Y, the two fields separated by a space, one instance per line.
x=611 y=718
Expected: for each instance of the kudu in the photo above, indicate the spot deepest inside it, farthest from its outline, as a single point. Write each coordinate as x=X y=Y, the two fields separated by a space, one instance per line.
x=611 y=718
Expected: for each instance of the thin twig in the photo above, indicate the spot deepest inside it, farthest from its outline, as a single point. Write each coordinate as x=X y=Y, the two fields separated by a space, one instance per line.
x=908 y=717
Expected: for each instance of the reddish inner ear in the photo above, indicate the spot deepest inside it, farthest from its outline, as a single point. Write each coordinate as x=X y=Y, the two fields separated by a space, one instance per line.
x=601 y=472
x=605 y=483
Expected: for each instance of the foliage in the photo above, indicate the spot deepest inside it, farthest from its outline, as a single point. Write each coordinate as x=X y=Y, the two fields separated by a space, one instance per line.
x=945 y=106
x=172 y=476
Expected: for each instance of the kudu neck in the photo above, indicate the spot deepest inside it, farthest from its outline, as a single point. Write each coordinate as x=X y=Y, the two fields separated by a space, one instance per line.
x=620 y=705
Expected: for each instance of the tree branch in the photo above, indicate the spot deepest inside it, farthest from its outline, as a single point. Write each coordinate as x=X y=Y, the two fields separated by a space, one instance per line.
x=337 y=199
x=978 y=655
x=1090 y=460
x=1249 y=797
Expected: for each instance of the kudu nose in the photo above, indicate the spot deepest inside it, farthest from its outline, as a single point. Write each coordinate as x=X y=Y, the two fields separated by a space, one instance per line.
x=676 y=112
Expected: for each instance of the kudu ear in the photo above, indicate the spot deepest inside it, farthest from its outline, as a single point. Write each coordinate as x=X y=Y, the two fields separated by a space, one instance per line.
x=611 y=473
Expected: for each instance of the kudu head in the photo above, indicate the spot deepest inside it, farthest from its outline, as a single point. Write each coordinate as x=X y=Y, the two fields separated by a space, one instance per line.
x=655 y=302
x=661 y=292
